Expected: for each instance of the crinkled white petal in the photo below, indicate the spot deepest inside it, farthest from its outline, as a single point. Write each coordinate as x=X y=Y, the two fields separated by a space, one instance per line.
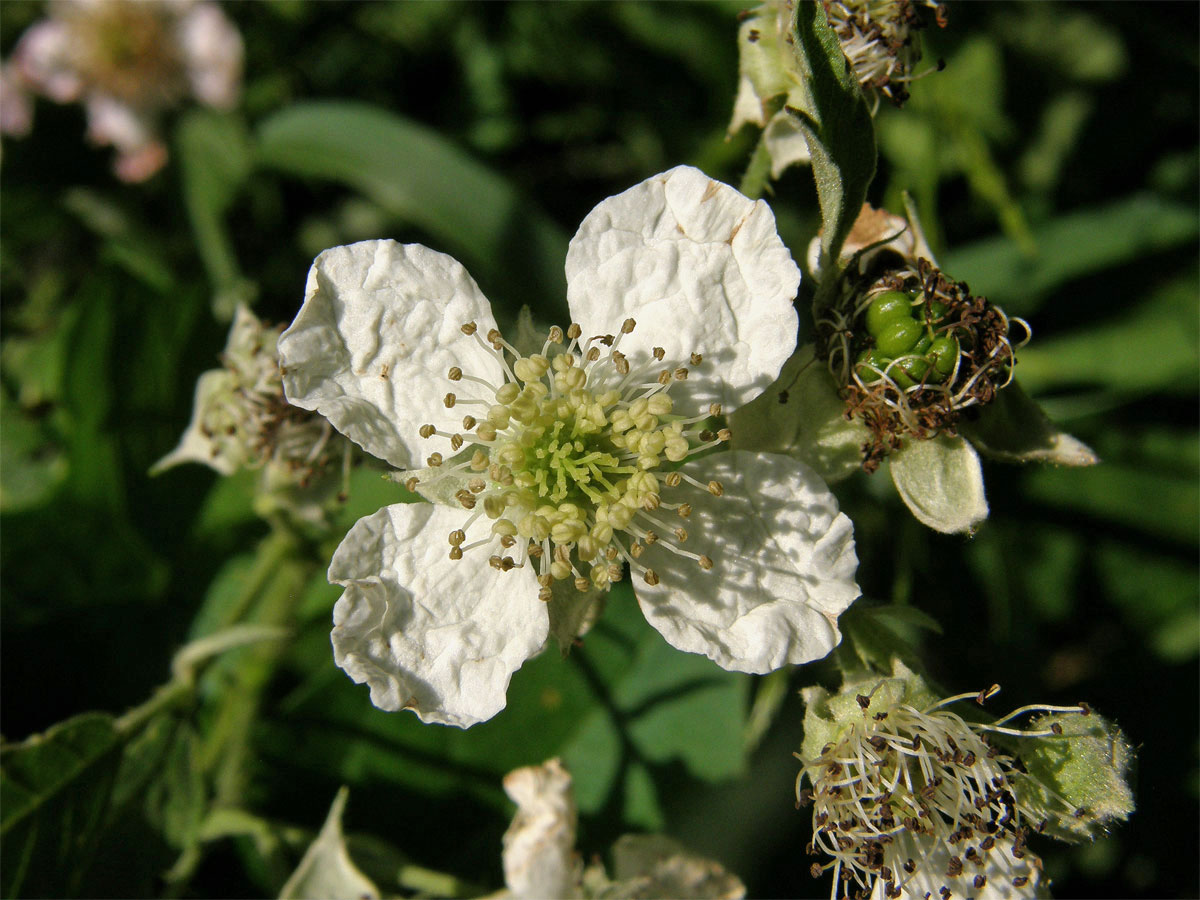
x=540 y=862
x=1000 y=868
x=783 y=570
x=212 y=48
x=212 y=387
x=701 y=269
x=438 y=636
x=371 y=346
x=112 y=121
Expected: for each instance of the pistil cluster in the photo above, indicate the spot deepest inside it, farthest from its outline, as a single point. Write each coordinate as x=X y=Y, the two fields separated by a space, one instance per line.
x=959 y=355
x=901 y=787
x=571 y=459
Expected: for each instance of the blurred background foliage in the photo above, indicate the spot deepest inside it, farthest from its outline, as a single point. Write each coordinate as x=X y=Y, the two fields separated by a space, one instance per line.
x=1055 y=165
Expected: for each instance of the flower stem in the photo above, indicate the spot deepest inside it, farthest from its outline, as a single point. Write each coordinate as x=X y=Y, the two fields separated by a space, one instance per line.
x=758 y=171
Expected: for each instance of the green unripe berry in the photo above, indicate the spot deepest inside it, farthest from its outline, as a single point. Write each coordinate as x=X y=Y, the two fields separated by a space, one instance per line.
x=944 y=351
x=898 y=337
x=868 y=359
x=914 y=367
x=934 y=312
x=886 y=308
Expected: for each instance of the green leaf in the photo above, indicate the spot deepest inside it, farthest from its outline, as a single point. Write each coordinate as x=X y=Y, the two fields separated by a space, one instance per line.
x=837 y=125
x=418 y=175
x=941 y=482
x=1070 y=246
x=327 y=870
x=215 y=159
x=1012 y=427
x=56 y=789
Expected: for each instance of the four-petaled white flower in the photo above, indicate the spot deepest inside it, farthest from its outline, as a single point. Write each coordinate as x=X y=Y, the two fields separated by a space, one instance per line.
x=562 y=467
x=128 y=61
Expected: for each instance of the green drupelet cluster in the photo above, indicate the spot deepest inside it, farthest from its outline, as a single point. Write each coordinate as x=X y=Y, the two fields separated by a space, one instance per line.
x=904 y=330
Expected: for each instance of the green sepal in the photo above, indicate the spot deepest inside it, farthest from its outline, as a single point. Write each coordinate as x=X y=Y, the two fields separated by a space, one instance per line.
x=941 y=482
x=1013 y=427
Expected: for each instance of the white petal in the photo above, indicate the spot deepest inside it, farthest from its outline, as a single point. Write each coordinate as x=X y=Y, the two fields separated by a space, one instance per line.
x=44 y=58
x=212 y=48
x=539 y=846
x=783 y=569
x=702 y=270
x=786 y=143
x=370 y=348
x=438 y=636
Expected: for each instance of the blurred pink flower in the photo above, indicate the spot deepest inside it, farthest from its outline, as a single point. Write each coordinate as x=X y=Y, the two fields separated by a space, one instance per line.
x=127 y=61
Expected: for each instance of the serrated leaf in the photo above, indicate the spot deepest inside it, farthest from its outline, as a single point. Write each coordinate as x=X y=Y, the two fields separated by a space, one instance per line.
x=56 y=788
x=327 y=872
x=941 y=482
x=837 y=125
x=415 y=173
x=1013 y=427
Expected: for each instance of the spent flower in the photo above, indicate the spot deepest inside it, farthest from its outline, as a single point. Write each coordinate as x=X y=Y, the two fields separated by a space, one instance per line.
x=128 y=62
x=557 y=470
x=241 y=420
x=912 y=799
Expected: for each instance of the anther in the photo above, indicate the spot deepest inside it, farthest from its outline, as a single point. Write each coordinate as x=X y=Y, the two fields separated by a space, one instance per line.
x=455 y=373
x=664 y=377
x=651 y=502
x=469 y=422
x=681 y=535
x=495 y=338
x=627 y=326
x=673 y=479
x=495 y=562
x=410 y=484
x=697 y=359
x=449 y=400
x=507 y=541
x=574 y=331
x=456 y=553
x=470 y=328
x=457 y=538
x=651 y=537
x=685 y=510
x=681 y=374
x=716 y=488
x=466 y=499
x=658 y=353
x=714 y=409
x=593 y=354
x=706 y=563
x=434 y=460
x=582 y=584
x=724 y=434
x=651 y=577
x=456 y=441
x=556 y=335
x=476 y=485
x=426 y=431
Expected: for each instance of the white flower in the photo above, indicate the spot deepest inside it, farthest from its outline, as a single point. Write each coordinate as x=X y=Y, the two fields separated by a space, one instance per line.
x=559 y=468
x=541 y=862
x=128 y=61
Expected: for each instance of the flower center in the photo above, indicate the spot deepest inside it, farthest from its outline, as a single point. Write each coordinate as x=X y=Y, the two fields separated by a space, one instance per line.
x=573 y=454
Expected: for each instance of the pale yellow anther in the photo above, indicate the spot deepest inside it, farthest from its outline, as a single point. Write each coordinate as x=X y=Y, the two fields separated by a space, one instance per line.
x=531 y=368
x=560 y=570
x=556 y=335
x=534 y=551
x=493 y=506
x=676 y=449
x=574 y=331
x=449 y=400
x=636 y=549
x=673 y=479
x=724 y=434
x=697 y=359
x=507 y=392
x=567 y=532
x=411 y=483
x=651 y=577
x=582 y=585
x=716 y=488
x=619 y=516
x=714 y=409
x=651 y=537
x=610 y=553
x=469 y=328
x=504 y=528
x=535 y=527
x=426 y=431
x=511 y=455
x=681 y=534
x=546 y=580
x=621 y=421
x=498 y=417
x=706 y=563
x=602 y=532
x=651 y=502
x=660 y=404
x=455 y=373
x=485 y=432
x=457 y=537
x=479 y=461
x=476 y=485
x=587 y=548
x=627 y=326
x=469 y=422
x=600 y=576
x=434 y=460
